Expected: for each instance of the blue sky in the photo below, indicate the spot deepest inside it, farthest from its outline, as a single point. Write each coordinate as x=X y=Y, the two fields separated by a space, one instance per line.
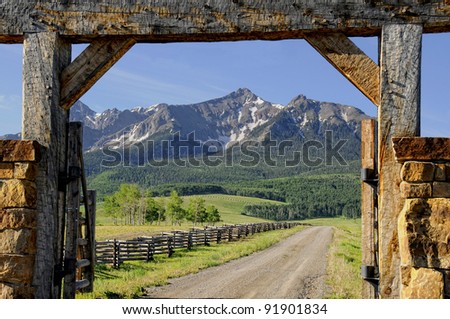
x=277 y=71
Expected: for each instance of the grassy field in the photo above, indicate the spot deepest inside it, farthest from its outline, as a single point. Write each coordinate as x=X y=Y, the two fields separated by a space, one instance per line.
x=229 y=207
x=343 y=261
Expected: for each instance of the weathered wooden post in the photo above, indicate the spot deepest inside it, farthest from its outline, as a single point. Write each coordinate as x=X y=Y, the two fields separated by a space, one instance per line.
x=45 y=56
x=398 y=116
x=368 y=206
x=90 y=235
x=73 y=209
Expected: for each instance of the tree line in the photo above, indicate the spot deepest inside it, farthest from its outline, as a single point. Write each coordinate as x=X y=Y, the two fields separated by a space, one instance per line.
x=306 y=196
x=309 y=197
x=134 y=206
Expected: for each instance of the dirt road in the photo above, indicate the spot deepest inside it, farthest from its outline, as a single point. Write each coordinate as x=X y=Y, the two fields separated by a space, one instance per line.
x=293 y=268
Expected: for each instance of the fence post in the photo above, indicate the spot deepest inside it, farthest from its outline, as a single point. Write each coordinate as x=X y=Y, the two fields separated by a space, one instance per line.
x=190 y=240
x=206 y=241
x=219 y=235
x=153 y=247
x=170 y=246
x=118 y=254
x=149 y=251
x=114 y=254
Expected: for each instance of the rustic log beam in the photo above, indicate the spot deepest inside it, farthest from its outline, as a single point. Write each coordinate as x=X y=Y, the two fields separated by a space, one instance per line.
x=398 y=116
x=348 y=59
x=45 y=56
x=186 y=20
x=89 y=67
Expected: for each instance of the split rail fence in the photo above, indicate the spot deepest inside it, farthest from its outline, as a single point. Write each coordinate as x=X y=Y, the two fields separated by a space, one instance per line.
x=115 y=252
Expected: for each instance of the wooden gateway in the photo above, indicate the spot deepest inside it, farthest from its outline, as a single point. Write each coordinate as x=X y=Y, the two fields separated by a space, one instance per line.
x=52 y=82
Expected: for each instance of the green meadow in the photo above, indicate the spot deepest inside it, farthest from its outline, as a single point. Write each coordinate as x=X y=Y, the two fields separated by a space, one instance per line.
x=131 y=279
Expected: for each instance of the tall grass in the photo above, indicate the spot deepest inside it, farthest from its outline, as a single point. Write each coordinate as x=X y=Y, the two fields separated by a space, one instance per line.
x=344 y=258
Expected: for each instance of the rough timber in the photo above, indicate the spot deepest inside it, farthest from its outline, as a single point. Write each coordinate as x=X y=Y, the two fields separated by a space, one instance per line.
x=214 y=20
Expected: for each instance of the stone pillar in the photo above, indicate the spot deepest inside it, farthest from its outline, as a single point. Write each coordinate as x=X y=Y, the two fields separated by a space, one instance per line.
x=18 y=215
x=424 y=222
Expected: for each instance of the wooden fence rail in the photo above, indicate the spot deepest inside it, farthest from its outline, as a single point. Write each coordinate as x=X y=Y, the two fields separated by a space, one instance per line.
x=115 y=252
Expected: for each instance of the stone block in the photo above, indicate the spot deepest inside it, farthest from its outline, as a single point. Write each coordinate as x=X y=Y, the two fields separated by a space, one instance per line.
x=14 y=291
x=422 y=190
x=441 y=189
x=421 y=283
x=16 y=269
x=424 y=233
x=16 y=193
x=21 y=241
x=417 y=172
x=19 y=151
x=17 y=218
x=6 y=170
x=25 y=170
x=421 y=148
x=440 y=173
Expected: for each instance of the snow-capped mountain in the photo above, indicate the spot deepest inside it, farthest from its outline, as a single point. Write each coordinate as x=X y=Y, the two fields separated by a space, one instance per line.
x=236 y=117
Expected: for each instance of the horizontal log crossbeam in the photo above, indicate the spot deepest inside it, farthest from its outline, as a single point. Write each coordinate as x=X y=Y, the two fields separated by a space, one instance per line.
x=187 y=20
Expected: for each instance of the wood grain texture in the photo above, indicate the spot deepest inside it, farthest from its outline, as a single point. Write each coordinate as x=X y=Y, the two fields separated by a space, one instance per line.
x=213 y=20
x=73 y=210
x=90 y=235
x=45 y=56
x=398 y=116
x=348 y=59
x=368 y=206
x=90 y=66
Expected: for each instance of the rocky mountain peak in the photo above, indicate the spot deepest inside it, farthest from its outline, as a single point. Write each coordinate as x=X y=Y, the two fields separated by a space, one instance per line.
x=233 y=118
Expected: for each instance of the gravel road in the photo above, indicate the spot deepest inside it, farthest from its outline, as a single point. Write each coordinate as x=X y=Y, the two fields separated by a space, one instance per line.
x=293 y=268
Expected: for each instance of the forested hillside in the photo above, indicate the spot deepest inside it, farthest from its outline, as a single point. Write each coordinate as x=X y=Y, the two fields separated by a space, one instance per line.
x=308 y=196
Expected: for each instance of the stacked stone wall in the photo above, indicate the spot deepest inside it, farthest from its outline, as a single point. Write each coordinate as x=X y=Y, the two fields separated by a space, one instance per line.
x=424 y=222
x=18 y=215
